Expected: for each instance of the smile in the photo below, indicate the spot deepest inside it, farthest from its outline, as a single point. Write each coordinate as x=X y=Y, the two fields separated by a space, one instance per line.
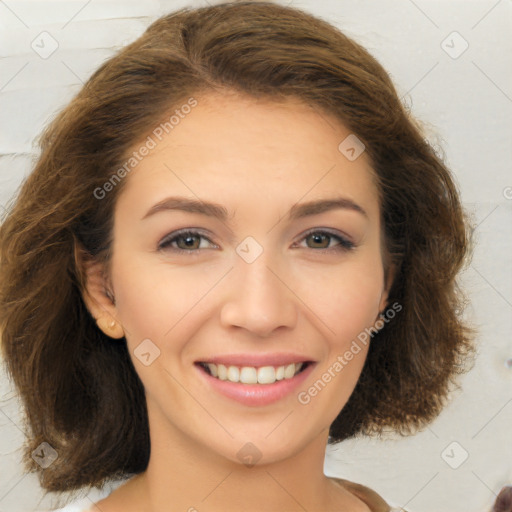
x=271 y=379
x=252 y=374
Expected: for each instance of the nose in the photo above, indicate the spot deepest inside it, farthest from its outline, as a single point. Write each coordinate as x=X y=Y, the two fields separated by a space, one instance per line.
x=259 y=299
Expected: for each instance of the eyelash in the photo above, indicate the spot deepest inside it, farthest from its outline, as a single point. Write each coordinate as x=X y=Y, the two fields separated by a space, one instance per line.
x=344 y=245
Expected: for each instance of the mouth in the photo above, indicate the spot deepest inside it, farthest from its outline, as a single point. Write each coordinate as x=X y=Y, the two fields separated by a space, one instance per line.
x=255 y=380
x=251 y=375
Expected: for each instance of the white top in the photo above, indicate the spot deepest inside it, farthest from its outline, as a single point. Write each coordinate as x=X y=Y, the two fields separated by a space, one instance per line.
x=77 y=506
x=85 y=504
x=82 y=505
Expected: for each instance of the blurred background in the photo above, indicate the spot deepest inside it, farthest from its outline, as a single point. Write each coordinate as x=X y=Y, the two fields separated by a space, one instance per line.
x=450 y=61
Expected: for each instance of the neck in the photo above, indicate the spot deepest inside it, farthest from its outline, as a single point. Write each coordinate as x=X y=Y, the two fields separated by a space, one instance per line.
x=186 y=475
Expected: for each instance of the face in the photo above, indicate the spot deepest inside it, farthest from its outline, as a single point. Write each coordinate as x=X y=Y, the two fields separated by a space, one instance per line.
x=247 y=246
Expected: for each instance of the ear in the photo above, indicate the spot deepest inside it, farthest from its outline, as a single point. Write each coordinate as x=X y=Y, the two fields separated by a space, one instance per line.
x=387 y=287
x=97 y=293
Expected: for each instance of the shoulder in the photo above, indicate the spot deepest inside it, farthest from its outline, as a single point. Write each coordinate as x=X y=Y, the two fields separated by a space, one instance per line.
x=76 y=506
x=368 y=496
x=87 y=503
x=84 y=504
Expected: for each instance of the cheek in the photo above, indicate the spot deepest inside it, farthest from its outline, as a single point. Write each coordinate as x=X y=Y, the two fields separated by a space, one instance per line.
x=348 y=303
x=151 y=299
x=345 y=299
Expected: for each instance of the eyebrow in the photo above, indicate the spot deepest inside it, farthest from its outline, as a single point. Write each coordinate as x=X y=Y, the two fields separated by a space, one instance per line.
x=189 y=205
x=297 y=211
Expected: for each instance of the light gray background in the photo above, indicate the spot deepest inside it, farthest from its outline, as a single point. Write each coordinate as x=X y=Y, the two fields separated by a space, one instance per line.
x=467 y=104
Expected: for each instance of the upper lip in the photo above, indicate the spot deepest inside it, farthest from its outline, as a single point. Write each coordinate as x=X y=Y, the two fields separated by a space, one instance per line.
x=278 y=359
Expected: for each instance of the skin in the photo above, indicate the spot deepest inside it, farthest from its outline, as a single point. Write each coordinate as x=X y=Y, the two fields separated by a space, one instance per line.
x=256 y=158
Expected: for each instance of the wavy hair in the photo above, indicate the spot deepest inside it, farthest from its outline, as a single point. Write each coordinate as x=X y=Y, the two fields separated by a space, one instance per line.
x=80 y=391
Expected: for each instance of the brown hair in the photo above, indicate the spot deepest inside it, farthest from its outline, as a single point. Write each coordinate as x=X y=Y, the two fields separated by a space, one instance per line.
x=79 y=388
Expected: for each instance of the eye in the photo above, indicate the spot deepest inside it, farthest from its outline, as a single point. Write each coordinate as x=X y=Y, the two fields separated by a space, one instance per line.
x=322 y=240
x=185 y=241
x=192 y=241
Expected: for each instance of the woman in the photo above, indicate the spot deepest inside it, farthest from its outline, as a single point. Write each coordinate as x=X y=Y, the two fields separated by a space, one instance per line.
x=236 y=247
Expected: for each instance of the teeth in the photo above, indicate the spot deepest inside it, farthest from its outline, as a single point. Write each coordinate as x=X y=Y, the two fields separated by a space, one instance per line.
x=233 y=374
x=213 y=369
x=267 y=375
x=222 y=372
x=289 y=371
x=248 y=375
x=253 y=375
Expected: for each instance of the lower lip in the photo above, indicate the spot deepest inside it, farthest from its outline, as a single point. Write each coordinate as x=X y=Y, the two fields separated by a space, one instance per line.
x=257 y=394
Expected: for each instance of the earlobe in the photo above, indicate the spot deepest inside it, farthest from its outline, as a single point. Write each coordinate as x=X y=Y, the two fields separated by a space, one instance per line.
x=383 y=305
x=110 y=327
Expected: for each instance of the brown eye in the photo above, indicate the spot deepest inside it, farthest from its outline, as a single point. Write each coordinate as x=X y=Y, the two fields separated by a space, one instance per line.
x=184 y=241
x=322 y=240
x=319 y=240
x=188 y=242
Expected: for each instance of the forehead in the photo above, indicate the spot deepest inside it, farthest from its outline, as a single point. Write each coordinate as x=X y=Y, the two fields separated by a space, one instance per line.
x=233 y=144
